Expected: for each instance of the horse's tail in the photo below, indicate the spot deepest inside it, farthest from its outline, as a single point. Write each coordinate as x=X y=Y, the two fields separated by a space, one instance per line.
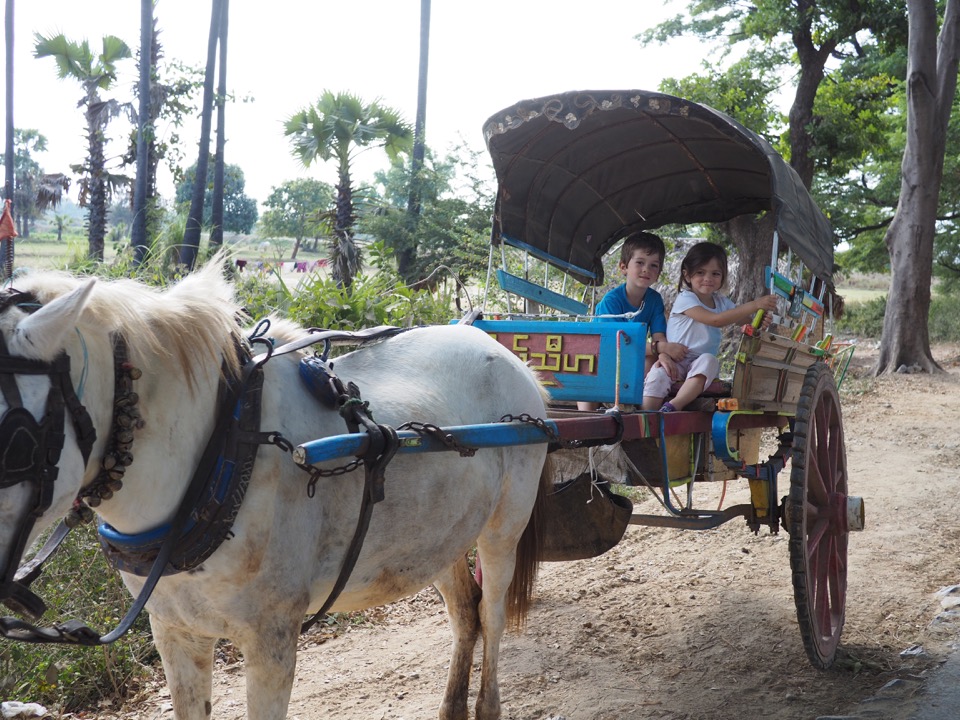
x=520 y=592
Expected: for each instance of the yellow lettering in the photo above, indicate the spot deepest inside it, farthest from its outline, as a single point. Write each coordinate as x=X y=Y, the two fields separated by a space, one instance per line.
x=572 y=363
x=554 y=343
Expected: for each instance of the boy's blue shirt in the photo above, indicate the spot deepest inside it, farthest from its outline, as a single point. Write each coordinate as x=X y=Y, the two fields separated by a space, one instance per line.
x=615 y=302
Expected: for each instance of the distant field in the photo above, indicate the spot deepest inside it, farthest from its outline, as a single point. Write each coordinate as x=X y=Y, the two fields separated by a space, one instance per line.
x=859 y=295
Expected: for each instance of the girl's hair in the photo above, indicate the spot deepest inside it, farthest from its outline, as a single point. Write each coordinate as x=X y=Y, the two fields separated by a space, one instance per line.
x=698 y=256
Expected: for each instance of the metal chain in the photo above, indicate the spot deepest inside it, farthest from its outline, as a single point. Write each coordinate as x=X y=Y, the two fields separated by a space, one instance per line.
x=540 y=423
x=316 y=473
x=437 y=432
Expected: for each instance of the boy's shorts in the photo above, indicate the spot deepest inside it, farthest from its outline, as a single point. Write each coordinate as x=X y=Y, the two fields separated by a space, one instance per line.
x=657 y=383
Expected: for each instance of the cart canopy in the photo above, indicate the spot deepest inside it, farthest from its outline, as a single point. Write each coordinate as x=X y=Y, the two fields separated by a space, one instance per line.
x=581 y=170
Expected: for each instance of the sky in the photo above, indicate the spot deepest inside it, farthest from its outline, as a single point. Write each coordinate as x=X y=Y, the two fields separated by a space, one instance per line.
x=283 y=54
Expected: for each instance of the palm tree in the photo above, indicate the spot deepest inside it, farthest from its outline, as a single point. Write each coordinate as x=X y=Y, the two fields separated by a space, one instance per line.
x=6 y=244
x=94 y=73
x=138 y=234
x=336 y=127
x=61 y=222
x=191 y=235
x=407 y=254
x=216 y=229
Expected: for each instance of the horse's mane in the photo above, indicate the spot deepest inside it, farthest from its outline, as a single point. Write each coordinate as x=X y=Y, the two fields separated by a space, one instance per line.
x=194 y=321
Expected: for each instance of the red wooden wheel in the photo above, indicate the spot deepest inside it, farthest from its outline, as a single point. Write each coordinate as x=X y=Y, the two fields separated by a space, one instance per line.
x=817 y=516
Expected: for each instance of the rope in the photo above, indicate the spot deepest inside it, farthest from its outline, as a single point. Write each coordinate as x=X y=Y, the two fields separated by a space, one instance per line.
x=616 y=390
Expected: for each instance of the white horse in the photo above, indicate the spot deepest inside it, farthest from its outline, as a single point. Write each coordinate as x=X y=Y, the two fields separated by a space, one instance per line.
x=285 y=548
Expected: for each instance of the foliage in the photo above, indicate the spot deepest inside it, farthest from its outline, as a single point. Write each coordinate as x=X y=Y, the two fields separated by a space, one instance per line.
x=866 y=319
x=94 y=72
x=79 y=584
x=33 y=191
x=378 y=298
x=337 y=127
x=452 y=229
x=863 y=319
x=297 y=209
x=744 y=91
x=239 y=211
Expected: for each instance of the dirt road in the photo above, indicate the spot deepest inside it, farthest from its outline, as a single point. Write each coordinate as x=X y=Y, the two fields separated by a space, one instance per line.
x=685 y=625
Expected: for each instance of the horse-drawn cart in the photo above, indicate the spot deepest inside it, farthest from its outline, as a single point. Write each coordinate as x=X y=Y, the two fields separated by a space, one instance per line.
x=579 y=172
x=219 y=534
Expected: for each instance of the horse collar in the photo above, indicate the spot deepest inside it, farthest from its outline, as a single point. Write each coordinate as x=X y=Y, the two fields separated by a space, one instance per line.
x=217 y=489
x=117 y=456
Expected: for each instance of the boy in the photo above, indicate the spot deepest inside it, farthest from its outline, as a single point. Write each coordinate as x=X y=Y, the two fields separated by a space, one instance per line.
x=641 y=260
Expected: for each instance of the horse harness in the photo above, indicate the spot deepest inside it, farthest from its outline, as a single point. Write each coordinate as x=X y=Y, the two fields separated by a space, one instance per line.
x=30 y=449
x=213 y=498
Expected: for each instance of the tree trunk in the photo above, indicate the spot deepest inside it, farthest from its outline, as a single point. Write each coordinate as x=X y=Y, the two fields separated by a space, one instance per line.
x=6 y=244
x=753 y=242
x=97 y=202
x=408 y=254
x=216 y=231
x=138 y=233
x=191 y=234
x=344 y=258
x=931 y=85
x=812 y=61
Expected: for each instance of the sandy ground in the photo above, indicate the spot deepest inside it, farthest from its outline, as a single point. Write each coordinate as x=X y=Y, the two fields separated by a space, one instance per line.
x=687 y=625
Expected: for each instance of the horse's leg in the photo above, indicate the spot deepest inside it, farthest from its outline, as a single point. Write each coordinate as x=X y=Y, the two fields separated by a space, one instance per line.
x=188 y=665
x=270 y=661
x=497 y=575
x=461 y=595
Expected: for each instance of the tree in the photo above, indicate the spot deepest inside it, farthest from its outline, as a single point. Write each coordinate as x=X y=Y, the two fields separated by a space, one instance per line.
x=172 y=88
x=191 y=234
x=932 y=64
x=33 y=190
x=297 y=209
x=216 y=229
x=6 y=244
x=61 y=222
x=94 y=73
x=793 y=35
x=336 y=127
x=239 y=211
x=406 y=256
x=452 y=228
x=145 y=130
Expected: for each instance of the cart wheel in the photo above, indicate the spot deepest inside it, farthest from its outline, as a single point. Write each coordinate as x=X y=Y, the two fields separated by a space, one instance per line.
x=817 y=516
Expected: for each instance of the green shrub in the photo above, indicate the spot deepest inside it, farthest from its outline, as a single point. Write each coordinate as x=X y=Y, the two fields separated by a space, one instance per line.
x=863 y=319
x=78 y=584
x=377 y=298
x=944 y=318
x=866 y=319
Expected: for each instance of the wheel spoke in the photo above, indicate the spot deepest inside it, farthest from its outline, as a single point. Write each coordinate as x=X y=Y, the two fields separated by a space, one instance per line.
x=821 y=603
x=815 y=534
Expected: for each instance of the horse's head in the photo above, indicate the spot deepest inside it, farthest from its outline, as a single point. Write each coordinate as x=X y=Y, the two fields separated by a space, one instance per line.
x=41 y=423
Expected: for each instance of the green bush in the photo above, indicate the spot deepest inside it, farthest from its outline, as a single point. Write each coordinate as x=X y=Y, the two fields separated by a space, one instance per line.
x=377 y=298
x=866 y=319
x=79 y=584
x=863 y=319
x=944 y=320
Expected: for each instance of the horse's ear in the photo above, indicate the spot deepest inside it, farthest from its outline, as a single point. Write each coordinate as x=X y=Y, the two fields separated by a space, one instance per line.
x=42 y=335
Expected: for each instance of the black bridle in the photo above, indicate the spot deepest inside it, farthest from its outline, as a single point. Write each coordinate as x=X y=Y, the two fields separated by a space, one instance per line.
x=30 y=450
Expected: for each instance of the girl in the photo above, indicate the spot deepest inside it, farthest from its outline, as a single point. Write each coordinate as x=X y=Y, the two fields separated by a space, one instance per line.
x=695 y=321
